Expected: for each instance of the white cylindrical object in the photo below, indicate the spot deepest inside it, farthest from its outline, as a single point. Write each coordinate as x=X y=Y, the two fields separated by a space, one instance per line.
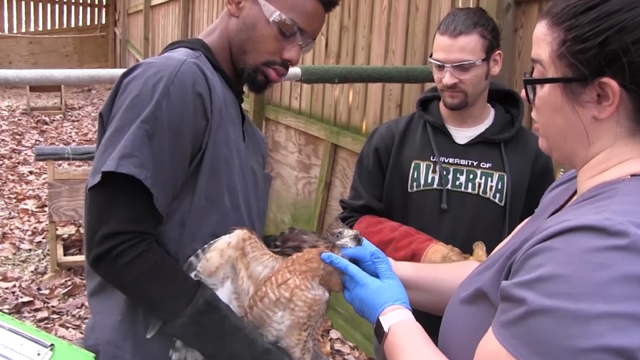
x=67 y=77
x=81 y=77
x=294 y=74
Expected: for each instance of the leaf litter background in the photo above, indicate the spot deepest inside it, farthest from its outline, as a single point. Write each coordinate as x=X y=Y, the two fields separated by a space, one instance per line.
x=57 y=304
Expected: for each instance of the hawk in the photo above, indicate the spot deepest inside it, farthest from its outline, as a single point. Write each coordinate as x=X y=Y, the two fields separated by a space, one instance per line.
x=278 y=284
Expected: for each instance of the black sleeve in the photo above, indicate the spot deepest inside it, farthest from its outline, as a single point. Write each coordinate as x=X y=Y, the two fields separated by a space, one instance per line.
x=367 y=185
x=542 y=176
x=120 y=246
x=120 y=223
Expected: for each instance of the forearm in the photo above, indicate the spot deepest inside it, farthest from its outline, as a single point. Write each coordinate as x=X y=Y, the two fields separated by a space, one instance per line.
x=430 y=286
x=120 y=224
x=407 y=340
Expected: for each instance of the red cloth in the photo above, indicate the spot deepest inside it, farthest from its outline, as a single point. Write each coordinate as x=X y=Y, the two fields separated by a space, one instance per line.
x=397 y=241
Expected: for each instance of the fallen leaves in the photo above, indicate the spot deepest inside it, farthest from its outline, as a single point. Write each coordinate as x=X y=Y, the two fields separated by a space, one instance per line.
x=335 y=346
x=57 y=305
x=8 y=249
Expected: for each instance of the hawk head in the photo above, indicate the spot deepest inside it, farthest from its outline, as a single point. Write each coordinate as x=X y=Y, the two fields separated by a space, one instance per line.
x=295 y=240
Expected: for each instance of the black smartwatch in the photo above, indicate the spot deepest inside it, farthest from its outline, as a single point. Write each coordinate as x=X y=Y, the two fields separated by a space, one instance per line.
x=384 y=323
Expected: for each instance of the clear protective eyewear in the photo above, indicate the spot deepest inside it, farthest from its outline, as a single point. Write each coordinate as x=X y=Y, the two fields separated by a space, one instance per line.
x=460 y=70
x=288 y=29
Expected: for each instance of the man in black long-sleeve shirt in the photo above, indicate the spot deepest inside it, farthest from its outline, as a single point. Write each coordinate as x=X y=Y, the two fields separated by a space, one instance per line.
x=177 y=165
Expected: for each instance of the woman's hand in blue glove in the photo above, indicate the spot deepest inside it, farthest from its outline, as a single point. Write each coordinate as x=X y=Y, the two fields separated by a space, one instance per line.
x=361 y=256
x=373 y=290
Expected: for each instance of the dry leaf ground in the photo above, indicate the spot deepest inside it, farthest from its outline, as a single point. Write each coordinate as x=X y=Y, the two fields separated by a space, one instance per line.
x=58 y=304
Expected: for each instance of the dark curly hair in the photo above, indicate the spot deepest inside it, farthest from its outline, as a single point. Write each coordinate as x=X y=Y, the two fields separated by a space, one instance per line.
x=329 y=5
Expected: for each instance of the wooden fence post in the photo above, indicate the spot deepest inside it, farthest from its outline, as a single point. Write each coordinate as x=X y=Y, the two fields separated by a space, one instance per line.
x=257 y=110
x=146 y=28
x=185 y=12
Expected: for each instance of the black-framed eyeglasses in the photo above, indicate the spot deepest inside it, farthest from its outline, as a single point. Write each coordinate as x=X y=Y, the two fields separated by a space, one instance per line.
x=530 y=83
x=290 y=32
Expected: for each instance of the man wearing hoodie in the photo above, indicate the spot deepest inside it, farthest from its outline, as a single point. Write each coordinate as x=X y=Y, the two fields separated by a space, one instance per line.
x=459 y=169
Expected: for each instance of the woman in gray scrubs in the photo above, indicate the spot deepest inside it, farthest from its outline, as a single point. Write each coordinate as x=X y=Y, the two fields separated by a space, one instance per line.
x=565 y=283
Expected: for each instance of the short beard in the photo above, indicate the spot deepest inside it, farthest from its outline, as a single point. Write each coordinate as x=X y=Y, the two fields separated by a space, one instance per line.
x=255 y=80
x=457 y=105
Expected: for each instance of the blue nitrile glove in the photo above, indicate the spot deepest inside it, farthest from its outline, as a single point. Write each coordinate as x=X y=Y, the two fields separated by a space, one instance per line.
x=360 y=255
x=369 y=294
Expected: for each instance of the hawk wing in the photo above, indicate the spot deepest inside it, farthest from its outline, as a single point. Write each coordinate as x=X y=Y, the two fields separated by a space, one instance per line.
x=215 y=277
x=228 y=266
x=288 y=305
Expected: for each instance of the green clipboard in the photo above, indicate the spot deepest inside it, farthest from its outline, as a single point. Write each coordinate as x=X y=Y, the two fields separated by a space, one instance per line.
x=21 y=341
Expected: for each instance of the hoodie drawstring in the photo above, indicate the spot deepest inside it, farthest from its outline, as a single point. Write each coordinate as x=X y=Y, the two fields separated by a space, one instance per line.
x=443 y=203
x=505 y=231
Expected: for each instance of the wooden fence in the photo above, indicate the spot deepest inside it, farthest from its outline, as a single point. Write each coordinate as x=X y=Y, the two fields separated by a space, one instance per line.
x=23 y=16
x=56 y=34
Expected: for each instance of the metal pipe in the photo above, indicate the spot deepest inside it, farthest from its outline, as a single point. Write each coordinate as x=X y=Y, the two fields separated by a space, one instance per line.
x=66 y=77
x=307 y=74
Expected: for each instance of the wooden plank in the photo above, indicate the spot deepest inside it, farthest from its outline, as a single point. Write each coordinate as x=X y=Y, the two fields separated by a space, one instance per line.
x=417 y=49
x=358 y=95
x=256 y=112
x=124 y=42
x=134 y=51
x=19 y=17
x=324 y=181
x=140 y=7
x=66 y=199
x=28 y=19
x=344 y=92
x=146 y=28
x=340 y=183
x=294 y=163
x=69 y=13
x=332 y=58
x=525 y=19
x=392 y=93
x=380 y=27
x=45 y=88
x=77 y=10
x=46 y=108
x=505 y=18
x=72 y=173
x=67 y=51
x=319 y=129
x=185 y=12
x=306 y=89
x=70 y=261
x=66 y=260
x=11 y=28
x=37 y=16
x=3 y=23
x=111 y=21
x=53 y=248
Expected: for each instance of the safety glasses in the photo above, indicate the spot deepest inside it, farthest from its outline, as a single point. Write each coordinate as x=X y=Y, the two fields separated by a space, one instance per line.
x=460 y=70
x=289 y=31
